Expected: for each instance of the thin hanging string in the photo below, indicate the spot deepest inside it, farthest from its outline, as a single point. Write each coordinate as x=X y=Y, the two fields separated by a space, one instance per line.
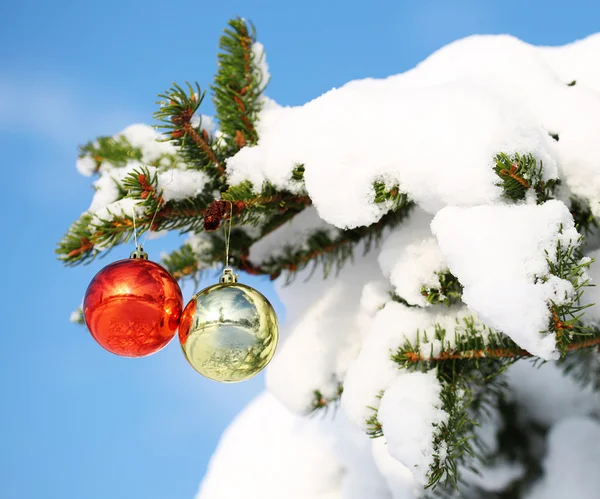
x=153 y=218
x=228 y=236
x=134 y=227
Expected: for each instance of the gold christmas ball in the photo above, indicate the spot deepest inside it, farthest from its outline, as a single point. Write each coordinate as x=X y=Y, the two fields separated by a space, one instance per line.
x=229 y=331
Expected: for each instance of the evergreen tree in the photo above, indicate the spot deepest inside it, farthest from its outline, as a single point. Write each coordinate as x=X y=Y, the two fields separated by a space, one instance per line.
x=435 y=261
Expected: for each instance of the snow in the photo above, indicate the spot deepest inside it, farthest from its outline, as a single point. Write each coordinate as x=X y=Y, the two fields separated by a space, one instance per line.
x=260 y=60
x=410 y=257
x=122 y=208
x=76 y=316
x=175 y=185
x=467 y=123
x=572 y=61
x=107 y=188
x=292 y=235
x=147 y=139
x=86 y=165
x=591 y=296
x=435 y=126
x=363 y=476
x=269 y=453
x=375 y=295
x=409 y=413
x=415 y=267
x=494 y=478
x=572 y=461
x=399 y=478
x=373 y=370
x=205 y=122
x=497 y=252
x=548 y=396
x=317 y=348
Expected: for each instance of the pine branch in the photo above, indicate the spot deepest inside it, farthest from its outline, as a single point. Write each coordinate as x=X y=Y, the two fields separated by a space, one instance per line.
x=470 y=341
x=206 y=252
x=183 y=263
x=519 y=173
x=248 y=207
x=116 y=150
x=175 y=117
x=584 y=366
x=238 y=86
x=323 y=250
x=582 y=215
x=320 y=402
x=374 y=426
x=448 y=292
x=566 y=312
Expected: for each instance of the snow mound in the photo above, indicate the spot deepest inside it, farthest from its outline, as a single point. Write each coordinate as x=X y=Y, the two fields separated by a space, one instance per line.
x=500 y=255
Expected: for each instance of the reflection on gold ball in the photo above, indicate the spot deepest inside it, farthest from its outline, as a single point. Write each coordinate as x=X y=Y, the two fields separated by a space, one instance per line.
x=229 y=332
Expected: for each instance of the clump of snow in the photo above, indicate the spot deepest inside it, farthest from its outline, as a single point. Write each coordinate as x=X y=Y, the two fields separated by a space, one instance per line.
x=409 y=413
x=122 y=208
x=320 y=345
x=398 y=477
x=498 y=253
x=175 y=184
x=147 y=139
x=363 y=477
x=293 y=234
x=108 y=186
x=76 y=316
x=410 y=258
x=269 y=453
x=86 y=165
x=571 y=462
x=125 y=207
x=206 y=123
x=375 y=295
x=262 y=68
x=417 y=265
x=571 y=62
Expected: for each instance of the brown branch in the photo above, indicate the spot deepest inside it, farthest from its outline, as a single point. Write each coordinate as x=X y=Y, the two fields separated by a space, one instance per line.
x=495 y=353
x=86 y=245
x=513 y=174
x=202 y=144
x=246 y=43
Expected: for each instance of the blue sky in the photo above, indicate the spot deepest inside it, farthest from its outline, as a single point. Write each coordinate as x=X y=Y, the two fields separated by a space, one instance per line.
x=77 y=422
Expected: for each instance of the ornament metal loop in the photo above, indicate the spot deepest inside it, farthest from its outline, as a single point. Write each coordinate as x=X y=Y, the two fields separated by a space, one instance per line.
x=139 y=253
x=228 y=277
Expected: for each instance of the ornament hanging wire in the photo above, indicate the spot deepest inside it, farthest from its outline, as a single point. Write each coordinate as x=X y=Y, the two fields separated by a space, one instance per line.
x=153 y=218
x=228 y=275
x=228 y=235
x=139 y=248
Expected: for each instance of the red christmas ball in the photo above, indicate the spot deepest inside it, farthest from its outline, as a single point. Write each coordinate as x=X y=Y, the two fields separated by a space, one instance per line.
x=132 y=307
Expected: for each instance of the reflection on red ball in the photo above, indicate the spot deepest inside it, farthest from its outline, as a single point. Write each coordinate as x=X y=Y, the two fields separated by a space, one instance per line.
x=132 y=307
